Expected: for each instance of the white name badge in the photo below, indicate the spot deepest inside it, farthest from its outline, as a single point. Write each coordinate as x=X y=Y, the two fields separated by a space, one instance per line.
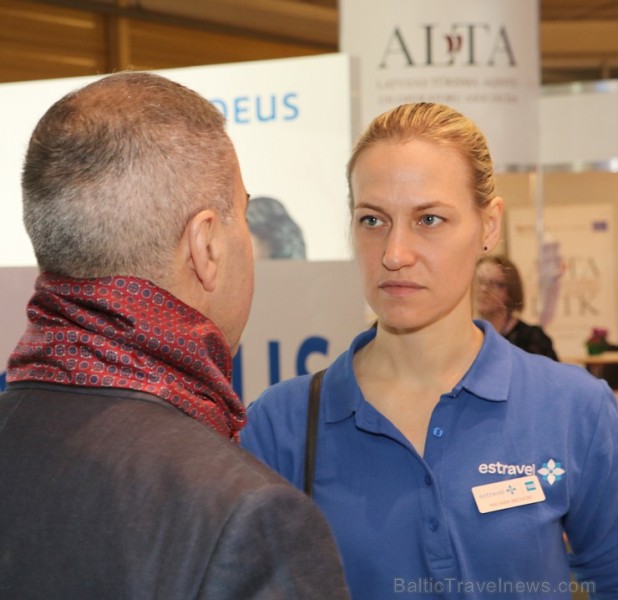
x=508 y=494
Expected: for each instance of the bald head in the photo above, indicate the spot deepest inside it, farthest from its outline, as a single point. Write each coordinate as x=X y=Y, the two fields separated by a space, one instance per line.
x=115 y=171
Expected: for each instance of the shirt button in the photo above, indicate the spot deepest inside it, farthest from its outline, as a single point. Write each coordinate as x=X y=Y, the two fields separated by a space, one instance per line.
x=428 y=480
x=437 y=432
x=433 y=524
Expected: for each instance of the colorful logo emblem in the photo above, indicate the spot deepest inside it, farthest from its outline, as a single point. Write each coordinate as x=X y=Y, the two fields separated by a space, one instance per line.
x=551 y=471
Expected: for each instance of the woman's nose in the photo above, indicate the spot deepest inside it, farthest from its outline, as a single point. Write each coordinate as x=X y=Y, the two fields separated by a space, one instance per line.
x=400 y=249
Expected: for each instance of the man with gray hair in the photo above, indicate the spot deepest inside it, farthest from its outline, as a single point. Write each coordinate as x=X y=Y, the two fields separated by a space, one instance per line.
x=119 y=472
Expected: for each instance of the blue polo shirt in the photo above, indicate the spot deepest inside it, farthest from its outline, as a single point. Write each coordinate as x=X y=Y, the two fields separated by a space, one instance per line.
x=409 y=526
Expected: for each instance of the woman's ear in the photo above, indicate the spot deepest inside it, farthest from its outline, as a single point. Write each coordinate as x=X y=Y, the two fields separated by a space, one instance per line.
x=492 y=222
x=204 y=255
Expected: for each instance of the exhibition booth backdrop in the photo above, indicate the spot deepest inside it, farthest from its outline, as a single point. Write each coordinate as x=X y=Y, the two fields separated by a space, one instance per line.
x=290 y=121
x=477 y=56
x=292 y=137
x=575 y=194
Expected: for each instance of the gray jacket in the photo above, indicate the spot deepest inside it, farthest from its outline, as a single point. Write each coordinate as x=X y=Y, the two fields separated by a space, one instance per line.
x=117 y=494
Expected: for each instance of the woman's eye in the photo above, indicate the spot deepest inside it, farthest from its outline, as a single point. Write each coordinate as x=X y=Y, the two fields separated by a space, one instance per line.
x=430 y=220
x=370 y=221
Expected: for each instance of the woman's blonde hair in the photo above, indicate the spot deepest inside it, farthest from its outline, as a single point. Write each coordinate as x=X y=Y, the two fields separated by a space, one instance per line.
x=434 y=123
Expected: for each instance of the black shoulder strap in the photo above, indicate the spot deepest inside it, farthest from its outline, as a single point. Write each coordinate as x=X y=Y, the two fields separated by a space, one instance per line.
x=311 y=440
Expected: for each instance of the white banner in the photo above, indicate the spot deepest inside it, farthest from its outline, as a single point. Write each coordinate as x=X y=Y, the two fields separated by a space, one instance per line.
x=478 y=56
x=289 y=120
x=586 y=289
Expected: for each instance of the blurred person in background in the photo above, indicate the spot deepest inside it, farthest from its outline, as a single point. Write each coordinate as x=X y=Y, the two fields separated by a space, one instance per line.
x=275 y=234
x=499 y=299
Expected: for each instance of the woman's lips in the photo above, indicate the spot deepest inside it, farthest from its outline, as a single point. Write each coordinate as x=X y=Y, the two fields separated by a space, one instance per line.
x=400 y=288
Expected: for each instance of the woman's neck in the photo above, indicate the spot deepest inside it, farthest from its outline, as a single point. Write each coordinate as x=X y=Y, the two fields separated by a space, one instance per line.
x=427 y=357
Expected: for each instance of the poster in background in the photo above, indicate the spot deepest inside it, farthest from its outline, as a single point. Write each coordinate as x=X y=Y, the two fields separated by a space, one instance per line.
x=479 y=56
x=289 y=120
x=586 y=292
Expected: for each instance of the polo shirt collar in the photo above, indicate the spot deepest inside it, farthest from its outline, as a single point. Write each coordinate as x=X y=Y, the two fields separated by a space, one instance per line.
x=489 y=377
x=342 y=396
x=341 y=393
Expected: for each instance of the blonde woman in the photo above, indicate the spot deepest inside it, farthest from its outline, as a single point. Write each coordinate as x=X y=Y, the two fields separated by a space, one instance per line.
x=449 y=462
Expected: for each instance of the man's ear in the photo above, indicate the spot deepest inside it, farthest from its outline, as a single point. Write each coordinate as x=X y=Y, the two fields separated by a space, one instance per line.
x=492 y=222
x=203 y=247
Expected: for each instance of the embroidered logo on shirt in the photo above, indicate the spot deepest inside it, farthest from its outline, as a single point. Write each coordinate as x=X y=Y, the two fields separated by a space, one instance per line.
x=551 y=471
x=498 y=468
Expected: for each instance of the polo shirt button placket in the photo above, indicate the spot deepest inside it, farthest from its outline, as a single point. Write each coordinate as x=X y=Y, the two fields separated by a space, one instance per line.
x=437 y=432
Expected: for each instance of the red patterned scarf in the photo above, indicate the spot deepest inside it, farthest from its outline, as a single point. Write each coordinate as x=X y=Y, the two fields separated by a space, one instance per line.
x=125 y=332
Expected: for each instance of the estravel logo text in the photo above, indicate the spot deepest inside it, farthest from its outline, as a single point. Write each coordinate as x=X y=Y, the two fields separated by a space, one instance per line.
x=498 y=468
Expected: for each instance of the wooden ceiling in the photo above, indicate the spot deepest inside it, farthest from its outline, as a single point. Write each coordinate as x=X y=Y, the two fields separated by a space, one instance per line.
x=57 y=38
x=569 y=10
x=579 y=40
